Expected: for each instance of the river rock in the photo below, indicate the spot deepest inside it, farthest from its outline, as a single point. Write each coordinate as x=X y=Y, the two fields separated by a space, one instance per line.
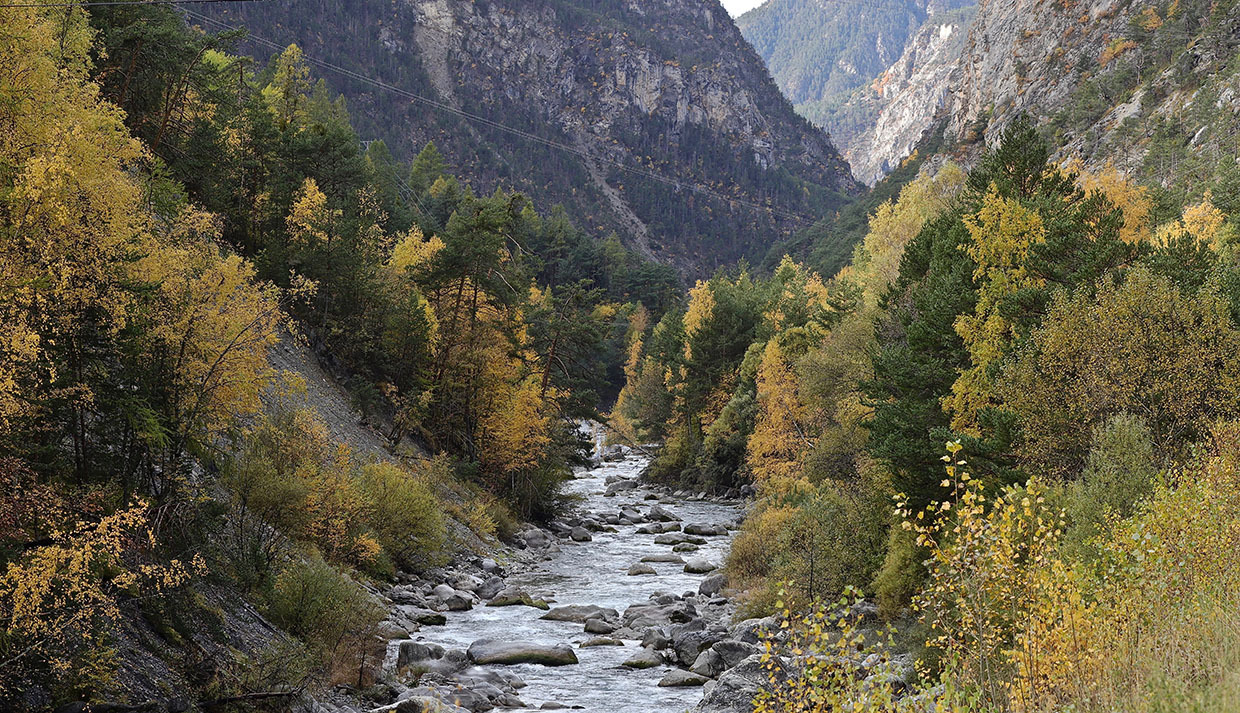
x=580 y=612
x=656 y=637
x=490 y=566
x=513 y=597
x=733 y=652
x=644 y=616
x=678 y=677
x=641 y=568
x=700 y=565
x=645 y=658
x=664 y=557
x=712 y=585
x=657 y=528
x=600 y=641
x=465 y=583
x=580 y=534
x=699 y=528
x=709 y=664
x=658 y=514
x=734 y=691
x=488 y=589
x=752 y=631
x=685 y=547
x=494 y=651
x=618 y=487
x=599 y=625
x=691 y=639
x=409 y=652
x=423 y=704
x=535 y=539
x=676 y=538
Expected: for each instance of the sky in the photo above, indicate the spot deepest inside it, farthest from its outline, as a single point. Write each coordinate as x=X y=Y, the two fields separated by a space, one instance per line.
x=736 y=7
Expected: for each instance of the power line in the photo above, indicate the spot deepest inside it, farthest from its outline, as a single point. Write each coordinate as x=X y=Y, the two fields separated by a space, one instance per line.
x=477 y=118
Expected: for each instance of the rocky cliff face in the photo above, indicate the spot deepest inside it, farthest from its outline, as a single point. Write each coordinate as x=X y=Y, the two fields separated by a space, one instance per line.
x=895 y=109
x=667 y=89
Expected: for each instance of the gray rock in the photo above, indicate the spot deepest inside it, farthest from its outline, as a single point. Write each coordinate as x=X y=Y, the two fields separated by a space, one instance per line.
x=752 y=631
x=700 y=565
x=657 y=528
x=426 y=704
x=494 y=651
x=645 y=658
x=409 y=652
x=685 y=547
x=699 y=528
x=580 y=534
x=491 y=587
x=678 y=677
x=490 y=566
x=712 y=585
x=514 y=597
x=656 y=637
x=619 y=486
x=580 y=612
x=734 y=690
x=536 y=539
x=641 y=568
x=674 y=559
x=709 y=664
x=676 y=538
x=599 y=625
x=733 y=652
x=600 y=641
x=658 y=513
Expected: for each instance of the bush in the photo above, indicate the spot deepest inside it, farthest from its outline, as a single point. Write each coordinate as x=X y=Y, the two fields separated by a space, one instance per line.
x=1120 y=470
x=330 y=613
x=405 y=516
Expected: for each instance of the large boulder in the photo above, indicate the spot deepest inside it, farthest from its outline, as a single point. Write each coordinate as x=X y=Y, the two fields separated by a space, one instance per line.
x=734 y=691
x=700 y=528
x=658 y=513
x=535 y=538
x=619 y=487
x=679 y=677
x=700 y=565
x=641 y=568
x=580 y=612
x=645 y=658
x=494 y=651
x=676 y=538
x=580 y=534
x=599 y=625
x=657 y=528
x=513 y=596
x=712 y=585
x=664 y=557
x=409 y=652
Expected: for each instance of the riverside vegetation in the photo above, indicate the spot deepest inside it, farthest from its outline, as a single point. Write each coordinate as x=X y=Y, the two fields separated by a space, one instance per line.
x=169 y=212
x=1077 y=550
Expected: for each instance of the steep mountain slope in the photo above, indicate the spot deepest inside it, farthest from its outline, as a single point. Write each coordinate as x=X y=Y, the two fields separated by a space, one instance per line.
x=820 y=51
x=669 y=88
x=882 y=122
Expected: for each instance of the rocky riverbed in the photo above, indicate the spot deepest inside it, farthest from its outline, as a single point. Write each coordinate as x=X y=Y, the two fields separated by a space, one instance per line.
x=620 y=607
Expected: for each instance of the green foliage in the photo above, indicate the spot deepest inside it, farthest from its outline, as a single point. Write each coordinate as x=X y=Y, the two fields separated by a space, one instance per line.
x=331 y=613
x=1121 y=469
x=404 y=514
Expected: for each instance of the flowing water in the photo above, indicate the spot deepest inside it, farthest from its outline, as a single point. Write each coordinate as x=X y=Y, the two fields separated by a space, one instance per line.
x=595 y=573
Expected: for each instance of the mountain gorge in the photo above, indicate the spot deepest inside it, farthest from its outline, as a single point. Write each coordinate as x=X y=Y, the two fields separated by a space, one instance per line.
x=653 y=119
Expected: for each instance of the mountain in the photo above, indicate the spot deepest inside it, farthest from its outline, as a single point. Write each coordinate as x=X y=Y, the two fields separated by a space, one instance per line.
x=821 y=51
x=655 y=120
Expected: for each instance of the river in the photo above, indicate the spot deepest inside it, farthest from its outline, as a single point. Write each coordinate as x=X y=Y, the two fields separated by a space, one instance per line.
x=595 y=573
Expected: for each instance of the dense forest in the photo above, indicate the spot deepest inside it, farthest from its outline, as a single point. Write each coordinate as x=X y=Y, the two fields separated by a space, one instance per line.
x=171 y=212
x=1040 y=377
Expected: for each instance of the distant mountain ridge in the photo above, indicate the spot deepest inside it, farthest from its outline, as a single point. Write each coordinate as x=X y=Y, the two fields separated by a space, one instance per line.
x=668 y=87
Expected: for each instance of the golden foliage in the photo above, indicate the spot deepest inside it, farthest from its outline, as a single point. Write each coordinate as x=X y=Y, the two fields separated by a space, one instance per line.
x=1003 y=233
x=1133 y=200
x=1141 y=347
x=57 y=600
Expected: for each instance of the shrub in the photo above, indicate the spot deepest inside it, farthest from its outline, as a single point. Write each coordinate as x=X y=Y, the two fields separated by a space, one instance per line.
x=330 y=613
x=1120 y=470
x=404 y=514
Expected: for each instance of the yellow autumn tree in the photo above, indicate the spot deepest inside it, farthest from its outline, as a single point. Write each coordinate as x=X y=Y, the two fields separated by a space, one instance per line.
x=779 y=436
x=57 y=601
x=212 y=324
x=1134 y=201
x=1140 y=346
x=69 y=197
x=1003 y=233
